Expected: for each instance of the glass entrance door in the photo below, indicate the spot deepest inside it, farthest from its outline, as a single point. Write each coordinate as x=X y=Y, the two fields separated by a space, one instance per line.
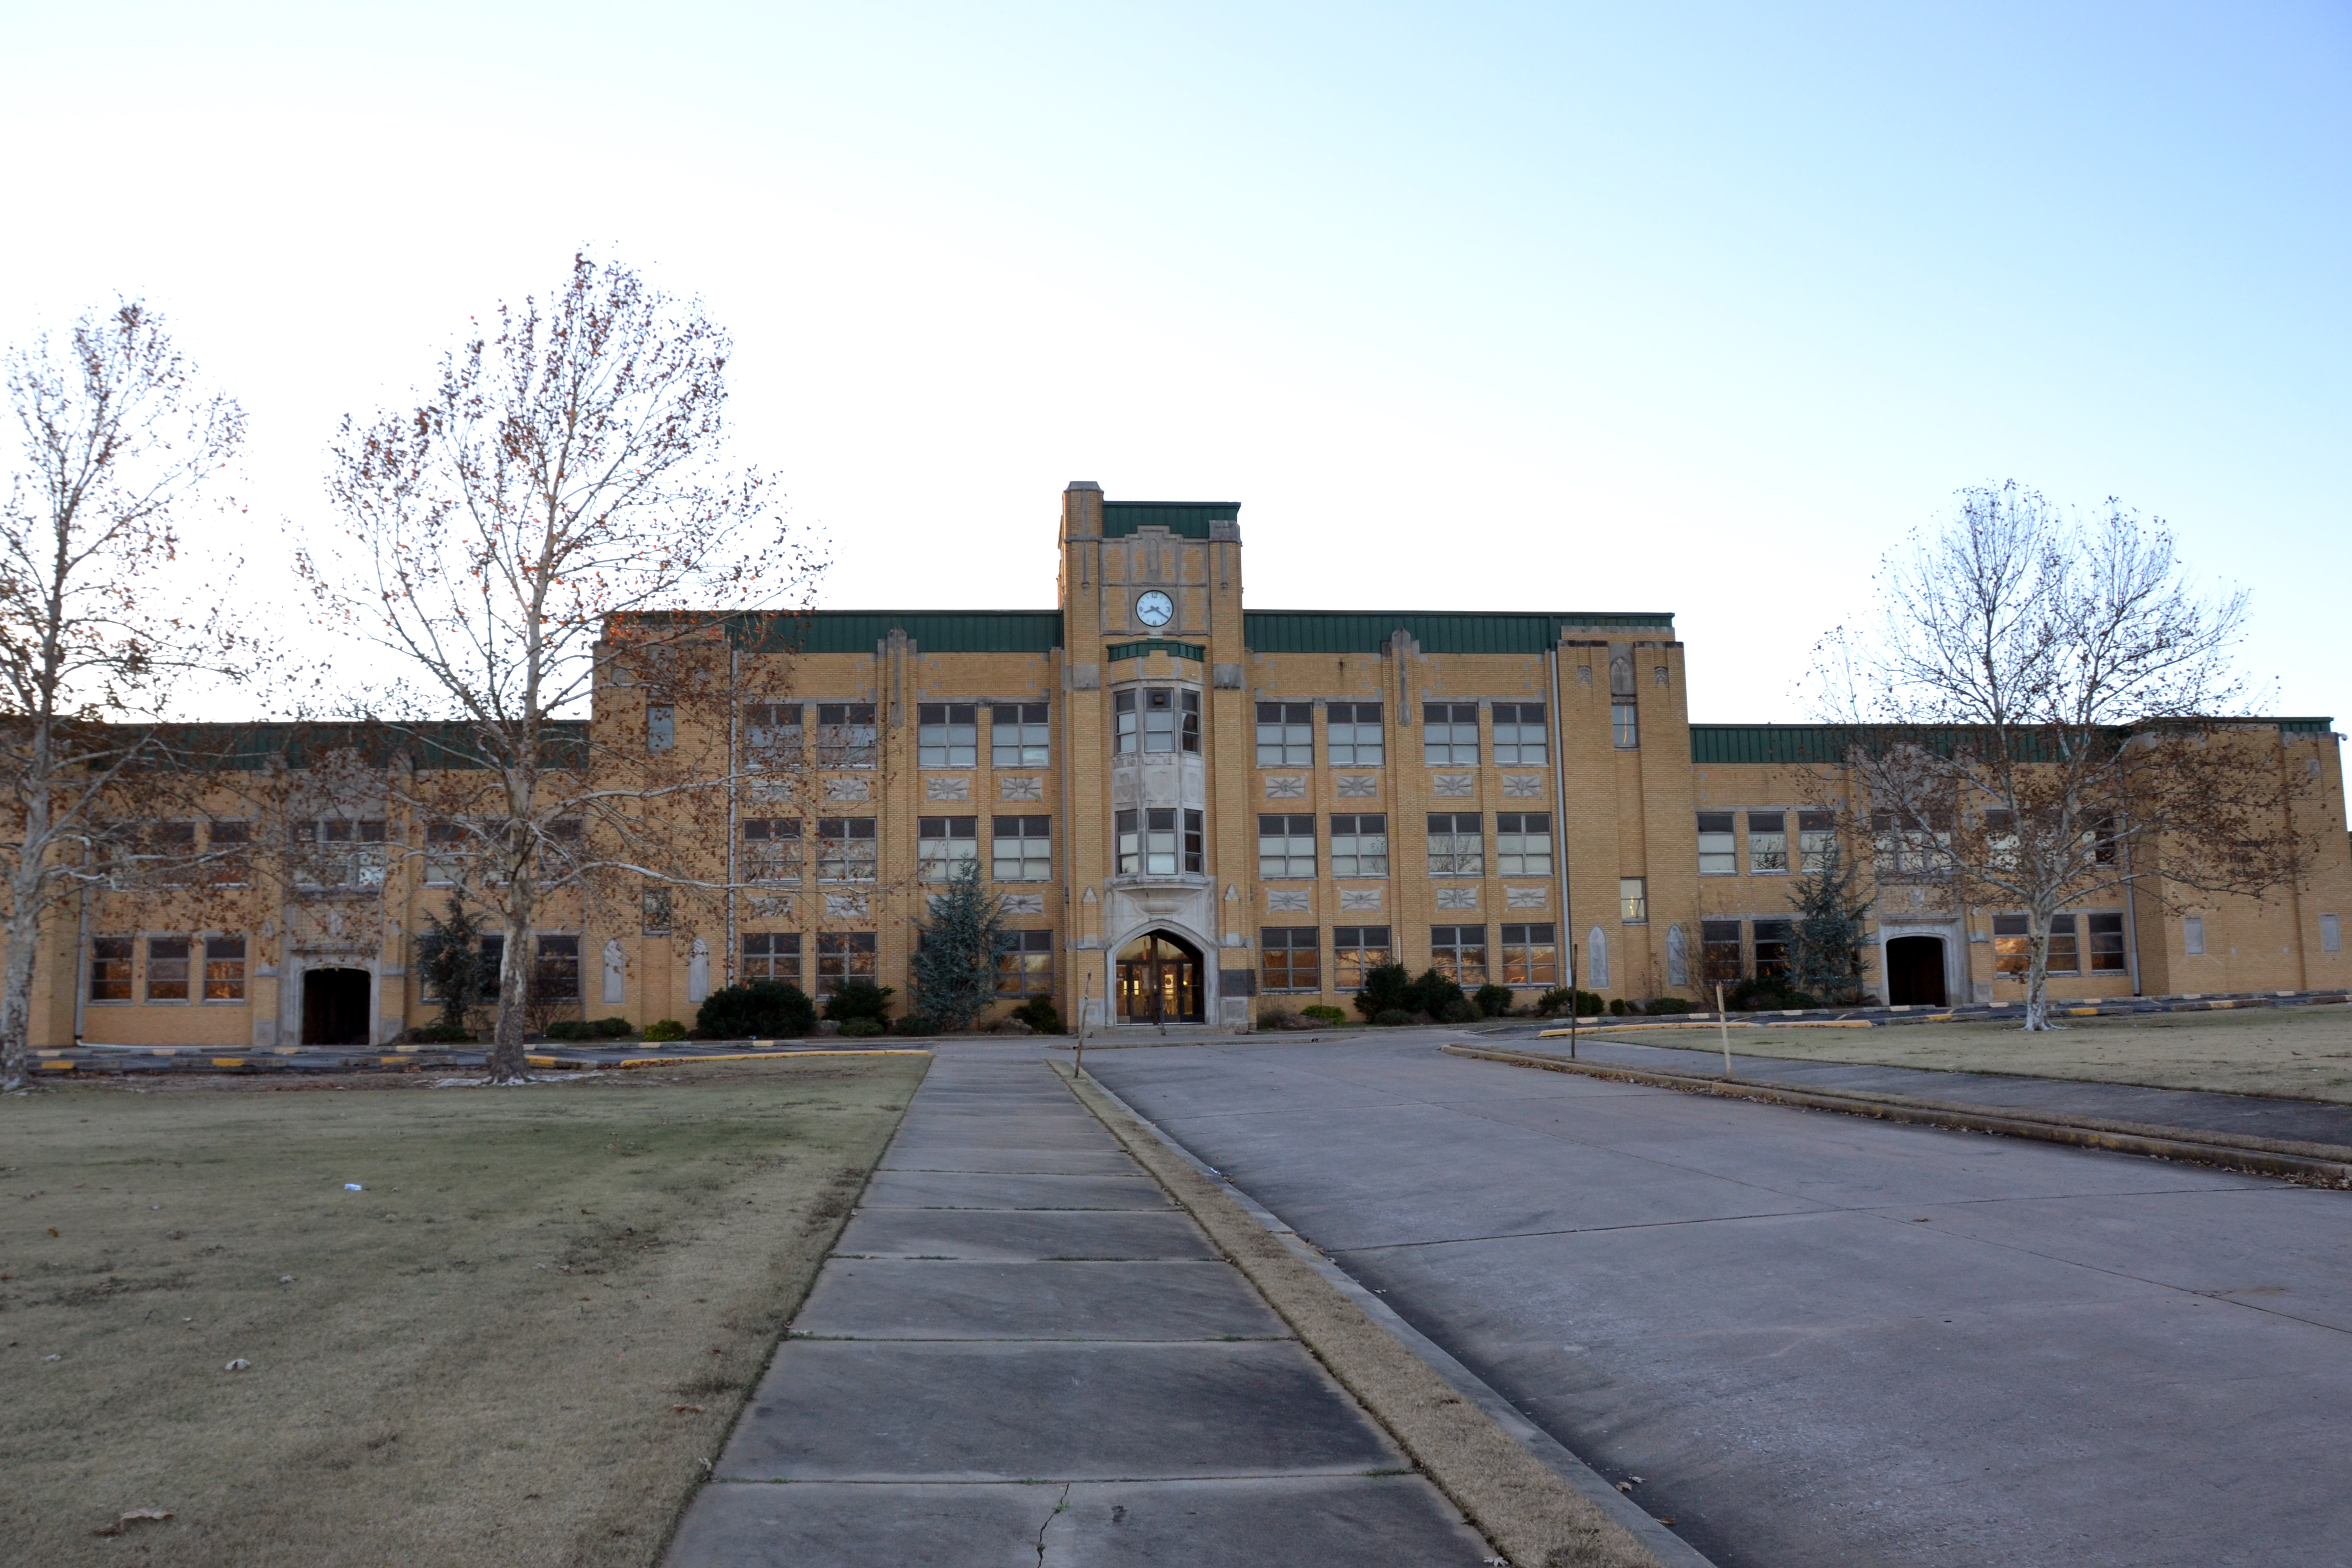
x=1160 y=980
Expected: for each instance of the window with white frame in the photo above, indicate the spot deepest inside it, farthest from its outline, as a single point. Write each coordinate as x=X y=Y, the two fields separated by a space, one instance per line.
x=340 y=852
x=109 y=969
x=771 y=957
x=445 y=853
x=948 y=735
x=846 y=849
x=774 y=734
x=1767 y=843
x=555 y=976
x=846 y=736
x=224 y=969
x=1158 y=842
x=772 y=849
x=1290 y=958
x=944 y=846
x=2104 y=934
x=661 y=727
x=2012 y=939
x=1718 y=852
x=1459 y=954
x=1719 y=956
x=1024 y=964
x=1353 y=735
x=1458 y=844
x=167 y=969
x=1521 y=739
x=1449 y=734
x=1360 y=845
x=1772 y=948
x=1023 y=849
x=1286 y=734
x=1020 y=735
x=1530 y=954
x=1632 y=899
x=1285 y=847
x=844 y=958
x=1355 y=951
x=1523 y=842
x=1816 y=839
x=1624 y=726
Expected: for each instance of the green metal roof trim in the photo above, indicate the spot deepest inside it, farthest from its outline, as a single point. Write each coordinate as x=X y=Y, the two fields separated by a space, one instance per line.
x=433 y=745
x=2306 y=726
x=1186 y=519
x=1801 y=743
x=1437 y=631
x=1191 y=650
x=933 y=631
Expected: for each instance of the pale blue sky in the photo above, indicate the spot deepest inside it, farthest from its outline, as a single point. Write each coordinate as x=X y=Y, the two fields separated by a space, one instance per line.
x=1473 y=307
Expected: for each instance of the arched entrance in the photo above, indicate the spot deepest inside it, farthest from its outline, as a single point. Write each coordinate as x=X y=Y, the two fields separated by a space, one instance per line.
x=335 y=1006
x=1160 y=980
x=1915 y=971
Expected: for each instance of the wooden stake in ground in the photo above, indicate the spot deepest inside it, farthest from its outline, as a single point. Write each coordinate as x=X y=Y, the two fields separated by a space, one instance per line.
x=1571 y=1001
x=1086 y=1003
x=1723 y=1028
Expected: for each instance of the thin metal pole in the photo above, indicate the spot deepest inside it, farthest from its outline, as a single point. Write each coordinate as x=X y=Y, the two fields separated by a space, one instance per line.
x=1571 y=1001
x=1723 y=1028
x=1086 y=1002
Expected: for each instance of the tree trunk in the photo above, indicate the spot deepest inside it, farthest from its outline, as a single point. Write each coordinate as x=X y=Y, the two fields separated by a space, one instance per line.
x=507 y=1063
x=2037 y=971
x=17 y=982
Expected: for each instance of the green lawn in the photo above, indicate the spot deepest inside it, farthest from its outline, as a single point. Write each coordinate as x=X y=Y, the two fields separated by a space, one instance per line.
x=516 y=1346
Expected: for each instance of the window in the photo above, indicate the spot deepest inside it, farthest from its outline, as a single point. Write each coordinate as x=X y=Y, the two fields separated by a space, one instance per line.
x=232 y=834
x=772 y=733
x=1358 y=949
x=654 y=911
x=1530 y=956
x=2107 y=943
x=1019 y=735
x=1457 y=845
x=224 y=969
x=556 y=975
x=1520 y=738
x=1149 y=846
x=1285 y=847
x=1360 y=845
x=1816 y=839
x=1459 y=954
x=1289 y=958
x=771 y=956
x=2012 y=936
x=1718 y=856
x=1286 y=734
x=1025 y=850
x=561 y=846
x=1122 y=706
x=2103 y=841
x=1632 y=899
x=1170 y=720
x=1719 y=947
x=340 y=853
x=2064 y=957
x=230 y=840
x=843 y=957
x=1523 y=842
x=844 y=849
x=772 y=849
x=1908 y=844
x=1772 y=950
x=661 y=727
x=1024 y=964
x=2192 y=935
x=2331 y=934
x=109 y=969
x=944 y=846
x=1194 y=855
x=1767 y=843
x=1624 y=725
x=948 y=735
x=445 y=853
x=494 y=955
x=1449 y=734
x=844 y=735
x=167 y=969
x=1352 y=734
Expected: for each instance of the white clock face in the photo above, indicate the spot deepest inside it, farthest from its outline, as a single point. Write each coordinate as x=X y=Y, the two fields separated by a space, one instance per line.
x=1153 y=609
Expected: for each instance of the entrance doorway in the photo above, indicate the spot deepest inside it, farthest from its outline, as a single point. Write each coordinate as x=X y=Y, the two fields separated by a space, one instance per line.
x=1160 y=980
x=335 y=1006
x=1915 y=971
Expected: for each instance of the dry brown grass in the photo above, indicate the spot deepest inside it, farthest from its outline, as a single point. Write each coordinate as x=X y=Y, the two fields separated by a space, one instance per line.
x=518 y=1345
x=2302 y=1053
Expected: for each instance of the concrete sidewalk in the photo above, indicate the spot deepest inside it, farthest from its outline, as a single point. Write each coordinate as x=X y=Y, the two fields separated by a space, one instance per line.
x=1022 y=1353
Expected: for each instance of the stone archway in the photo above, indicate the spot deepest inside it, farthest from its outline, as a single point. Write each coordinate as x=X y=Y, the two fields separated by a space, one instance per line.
x=1161 y=978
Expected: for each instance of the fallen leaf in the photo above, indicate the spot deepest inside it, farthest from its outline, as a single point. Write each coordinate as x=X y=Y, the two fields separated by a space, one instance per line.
x=146 y=1513
x=53 y=1230
x=687 y=1409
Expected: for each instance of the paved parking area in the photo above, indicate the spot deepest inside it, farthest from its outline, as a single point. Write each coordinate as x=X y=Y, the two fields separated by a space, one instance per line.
x=1819 y=1338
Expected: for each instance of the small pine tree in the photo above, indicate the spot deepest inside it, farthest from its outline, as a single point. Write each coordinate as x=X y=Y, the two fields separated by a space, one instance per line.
x=955 y=962
x=449 y=959
x=1826 y=947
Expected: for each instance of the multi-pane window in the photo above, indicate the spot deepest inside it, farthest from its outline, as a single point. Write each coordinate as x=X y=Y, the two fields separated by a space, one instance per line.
x=1128 y=723
x=948 y=735
x=772 y=956
x=844 y=735
x=1523 y=842
x=340 y=853
x=1719 y=944
x=944 y=846
x=661 y=727
x=771 y=850
x=1156 y=719
x=1150 y=843
x=1285 y=847
x=1355 y=951
x=844 y=958
x=1449 y=734
x=2066 y=958
x=1632 y=899
x=1624 y=725
x=1459 y=954
x=657 y=909
x=1019 y=735
x=2012 y=940
x=772 y=733
x=2106 y=933
x=1908 y=844
x=1458 y=844
x=445 y=853
x=1023 y=849
x=109 y=969
x=846 y=849
x=167 y=969
x=1532 y=954
x=1816 y=839
x=229 y=842
x=2013 y=937
x=1718 y=853
x=1520 y=735
x=1771 y=949
x=224 y=969
x=1360 y=845
x=561 y=843
x=1024 y=964
x=1352 y=734
x=1767 y=843
x=555 y=977
x=1286 y=734
x=1290 y=958
x=2103 y=843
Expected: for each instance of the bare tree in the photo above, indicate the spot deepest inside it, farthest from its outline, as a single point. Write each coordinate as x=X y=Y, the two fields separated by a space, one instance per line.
x=553 y=530
x=2042 y=711
x=101 y=614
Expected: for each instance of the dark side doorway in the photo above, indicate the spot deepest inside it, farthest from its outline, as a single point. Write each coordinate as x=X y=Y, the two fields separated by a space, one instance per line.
x=335 y=1006
x=1915 y=971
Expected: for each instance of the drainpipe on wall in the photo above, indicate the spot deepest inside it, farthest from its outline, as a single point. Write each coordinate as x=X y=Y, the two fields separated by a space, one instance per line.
x=81 y=950
x=734 y=767
x=1559 y=784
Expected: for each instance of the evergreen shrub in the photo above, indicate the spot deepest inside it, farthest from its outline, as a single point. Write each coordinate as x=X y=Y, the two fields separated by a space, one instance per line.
x=1494 y=1000
x=1040 y=1015
x=1668 y=1004
x=770 y=1009
x=859 y=999
x=1387 y=989
x=1392 y=1017
x=663 y=1029
x=1329 y=1016
x=441 y=1035
x=912 y=1024
x=1433 y=994
x=861 y=1028
x=1555 y=1002
x=1461 y=1010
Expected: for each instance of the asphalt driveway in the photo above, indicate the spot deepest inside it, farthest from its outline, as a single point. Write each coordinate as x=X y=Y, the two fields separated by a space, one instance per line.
x=1821 y=1340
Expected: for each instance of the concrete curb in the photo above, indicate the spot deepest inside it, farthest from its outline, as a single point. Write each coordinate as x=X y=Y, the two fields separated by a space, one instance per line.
x=2322 y=1164
x=1539 y=1504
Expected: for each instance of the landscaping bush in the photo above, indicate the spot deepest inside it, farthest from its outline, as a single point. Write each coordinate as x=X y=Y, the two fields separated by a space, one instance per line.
x=861 y=1028
x=1461 y=1010
x=1668 y=1004
x=1433 y=994
x=1040 y=1015
x=1392 y=1017
x=1773 y=990
x=912 y=1024
x=1494 y=1000
x=440 y=1035
x=572 y=1029
x=663 y=1029
x=860 y=999
x=1617 y=1009
x=1273 y=1015
x=1387 y=989
x=1330 y=1017
x=1555 y=1002
x=772 y=1009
